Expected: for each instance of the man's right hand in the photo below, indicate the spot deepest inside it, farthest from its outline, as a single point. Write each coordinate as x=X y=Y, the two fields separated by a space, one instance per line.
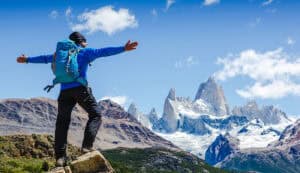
x=22 y=59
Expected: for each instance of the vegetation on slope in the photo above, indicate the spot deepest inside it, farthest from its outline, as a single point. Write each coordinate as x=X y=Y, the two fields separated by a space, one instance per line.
x=35 y=154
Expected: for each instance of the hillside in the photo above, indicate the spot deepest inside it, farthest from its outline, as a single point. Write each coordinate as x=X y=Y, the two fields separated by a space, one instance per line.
x=38 y=115
x=34 y=153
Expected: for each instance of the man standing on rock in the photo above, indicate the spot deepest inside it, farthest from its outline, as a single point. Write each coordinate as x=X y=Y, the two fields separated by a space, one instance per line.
x=74 y=92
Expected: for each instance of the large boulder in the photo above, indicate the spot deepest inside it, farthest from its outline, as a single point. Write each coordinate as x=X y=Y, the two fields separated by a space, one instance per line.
x=92 y=162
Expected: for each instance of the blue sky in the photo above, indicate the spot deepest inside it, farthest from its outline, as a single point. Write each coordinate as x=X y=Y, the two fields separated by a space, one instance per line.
x=181 y=43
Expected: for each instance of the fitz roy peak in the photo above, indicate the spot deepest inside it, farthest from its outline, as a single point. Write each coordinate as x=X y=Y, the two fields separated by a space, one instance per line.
x=207 y=128
x=210 y=100
x=195 y=124
x=213 y=94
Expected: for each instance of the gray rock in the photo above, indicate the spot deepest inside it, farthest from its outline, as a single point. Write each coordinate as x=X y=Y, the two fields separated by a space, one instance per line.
x=169 y=118
x=213 y=94
x=282 y=156
x=268 y=114
x=195 y=126
x=142 y=118
x=91 y=162
x=153 y=117
x=290 y=135
x=221 y=148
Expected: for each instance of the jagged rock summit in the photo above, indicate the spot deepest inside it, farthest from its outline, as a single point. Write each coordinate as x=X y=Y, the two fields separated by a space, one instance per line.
x=210 y=100
x=133 y=110
x=281 y=156
x=222 y=147
x=170 y=117
x=153 y=117
x=213 y=94
x=268 y=114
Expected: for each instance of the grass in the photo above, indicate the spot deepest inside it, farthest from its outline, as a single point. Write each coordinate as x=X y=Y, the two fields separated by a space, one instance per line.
x=34 y=154
x=24 y=165
x=125 y=160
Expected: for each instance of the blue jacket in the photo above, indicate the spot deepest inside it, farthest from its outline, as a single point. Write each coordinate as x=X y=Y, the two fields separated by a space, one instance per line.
x=84 y=57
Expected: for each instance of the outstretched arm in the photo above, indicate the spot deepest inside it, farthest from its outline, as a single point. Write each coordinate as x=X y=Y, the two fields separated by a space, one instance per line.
x=93 y=54
x=38 y=59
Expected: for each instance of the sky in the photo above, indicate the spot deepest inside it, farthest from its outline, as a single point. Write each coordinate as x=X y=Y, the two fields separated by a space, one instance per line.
x=251 y=48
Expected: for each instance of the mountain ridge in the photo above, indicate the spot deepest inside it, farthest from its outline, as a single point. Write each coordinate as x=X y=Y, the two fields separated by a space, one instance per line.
x=38 y=115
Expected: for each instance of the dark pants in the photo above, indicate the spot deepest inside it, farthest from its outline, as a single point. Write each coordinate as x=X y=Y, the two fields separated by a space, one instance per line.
x=66 y=102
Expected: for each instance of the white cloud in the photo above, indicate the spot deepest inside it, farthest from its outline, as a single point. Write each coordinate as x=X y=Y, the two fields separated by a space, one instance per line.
x=121 y=100
x=290 y=41
x=105 y=19
x=187 y=62
x=68 y=12
x=272 y=72
x=53 y=14
x=169 y=3
x=267 y=2
x=273 y=90
x=210 y=2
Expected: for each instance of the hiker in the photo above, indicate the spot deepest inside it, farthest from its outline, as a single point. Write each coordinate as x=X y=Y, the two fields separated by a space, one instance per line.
x=77 y=92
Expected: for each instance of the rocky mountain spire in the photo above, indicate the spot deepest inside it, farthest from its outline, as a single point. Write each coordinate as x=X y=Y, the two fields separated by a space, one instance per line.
x=132 y=109
x=268 y=114
x=153 y=116
x=172 y=94
x=169 y=117
x=213 y=94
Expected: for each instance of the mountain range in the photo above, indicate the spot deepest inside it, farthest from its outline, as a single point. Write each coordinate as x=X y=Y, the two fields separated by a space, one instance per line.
x=128 y=145
x=38 y=115
x=245 y=138
x=207 y=127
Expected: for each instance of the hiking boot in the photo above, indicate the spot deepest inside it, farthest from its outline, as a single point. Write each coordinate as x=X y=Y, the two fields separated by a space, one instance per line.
x=85 y=150
x=61 y=162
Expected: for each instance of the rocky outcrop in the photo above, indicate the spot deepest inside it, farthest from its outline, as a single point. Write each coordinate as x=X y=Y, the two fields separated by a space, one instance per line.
x=213 y=94
x=91 y=162
x=153 y=117
x=281 y=156
x=143 y=119
x=290 y=136
x=132 y=109
x=170 y=117
x=227 y=123
x=268 y=114
x=264 y=160
x=194 y=126
x=222 y=147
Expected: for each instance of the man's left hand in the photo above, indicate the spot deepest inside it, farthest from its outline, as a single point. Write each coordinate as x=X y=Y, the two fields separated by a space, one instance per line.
x=131 y=46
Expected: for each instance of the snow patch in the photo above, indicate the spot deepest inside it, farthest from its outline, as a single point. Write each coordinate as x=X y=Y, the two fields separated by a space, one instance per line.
x=189 y=142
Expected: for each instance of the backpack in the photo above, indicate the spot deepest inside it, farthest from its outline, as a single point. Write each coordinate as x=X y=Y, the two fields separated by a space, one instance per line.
x=64 y=65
